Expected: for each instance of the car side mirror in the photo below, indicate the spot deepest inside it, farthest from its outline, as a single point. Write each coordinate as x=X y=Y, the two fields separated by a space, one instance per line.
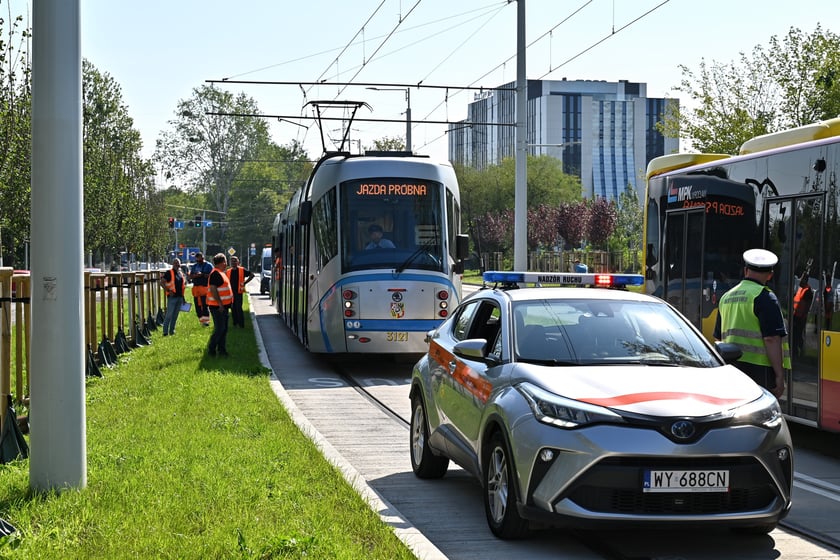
x=472 y=349
x=728 y=351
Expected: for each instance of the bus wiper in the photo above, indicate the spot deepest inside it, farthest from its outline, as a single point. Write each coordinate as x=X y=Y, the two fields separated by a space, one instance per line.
x=424 y=248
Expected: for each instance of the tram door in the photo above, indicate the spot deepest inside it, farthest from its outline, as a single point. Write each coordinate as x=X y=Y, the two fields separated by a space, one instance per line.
x=794 y=228
x=684 y=247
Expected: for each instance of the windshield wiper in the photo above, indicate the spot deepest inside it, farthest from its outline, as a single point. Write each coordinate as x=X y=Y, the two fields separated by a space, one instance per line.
x=545 y=362
x=424 y=248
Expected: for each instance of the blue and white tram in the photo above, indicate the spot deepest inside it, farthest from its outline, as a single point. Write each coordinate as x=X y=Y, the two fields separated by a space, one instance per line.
x=369 y=253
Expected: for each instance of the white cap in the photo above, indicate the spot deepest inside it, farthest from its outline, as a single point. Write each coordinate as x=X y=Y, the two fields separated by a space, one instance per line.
x=760 y=259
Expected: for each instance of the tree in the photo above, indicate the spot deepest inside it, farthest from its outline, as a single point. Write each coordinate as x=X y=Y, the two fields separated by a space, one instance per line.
x=15 y=141
x=602 y=220
x=211 y=139
x=387 y=144
x=572 y=222
x=626 y=239
x=262 y=189
x=790 y=83
x=122 y=210
x=489 y=192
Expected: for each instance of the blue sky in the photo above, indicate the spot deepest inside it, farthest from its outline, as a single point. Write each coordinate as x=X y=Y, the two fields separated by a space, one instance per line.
x=159 y=50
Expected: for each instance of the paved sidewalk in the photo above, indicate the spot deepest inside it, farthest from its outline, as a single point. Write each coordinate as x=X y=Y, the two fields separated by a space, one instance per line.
x=293 y=388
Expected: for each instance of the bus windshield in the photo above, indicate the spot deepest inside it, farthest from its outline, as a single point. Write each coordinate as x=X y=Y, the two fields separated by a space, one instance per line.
x=391 y=222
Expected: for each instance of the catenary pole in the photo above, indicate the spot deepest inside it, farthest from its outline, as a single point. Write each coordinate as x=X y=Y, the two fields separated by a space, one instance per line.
x=520 y=210
x=58 y=457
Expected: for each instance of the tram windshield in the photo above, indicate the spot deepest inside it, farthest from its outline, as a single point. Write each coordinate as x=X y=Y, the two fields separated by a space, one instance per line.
x=392 y=222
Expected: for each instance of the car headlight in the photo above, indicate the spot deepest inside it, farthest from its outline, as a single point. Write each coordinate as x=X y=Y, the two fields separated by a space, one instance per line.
x=763 y=411
x=559 y=411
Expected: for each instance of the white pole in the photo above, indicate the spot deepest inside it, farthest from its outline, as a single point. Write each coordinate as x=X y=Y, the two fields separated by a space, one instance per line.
x=58 y=457
x=520 y=209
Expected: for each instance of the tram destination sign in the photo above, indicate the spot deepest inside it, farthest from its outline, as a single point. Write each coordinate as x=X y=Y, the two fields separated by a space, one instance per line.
x=371 y=188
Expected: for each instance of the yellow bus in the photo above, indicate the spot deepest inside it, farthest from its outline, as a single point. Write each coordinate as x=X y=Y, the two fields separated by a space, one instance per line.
x=702 y=211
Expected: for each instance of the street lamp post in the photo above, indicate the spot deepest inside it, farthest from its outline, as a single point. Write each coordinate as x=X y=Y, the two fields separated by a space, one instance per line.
x=407 y=112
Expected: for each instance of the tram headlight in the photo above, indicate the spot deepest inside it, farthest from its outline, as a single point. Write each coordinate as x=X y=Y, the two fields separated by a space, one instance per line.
x=348 y=304
x=443 y=305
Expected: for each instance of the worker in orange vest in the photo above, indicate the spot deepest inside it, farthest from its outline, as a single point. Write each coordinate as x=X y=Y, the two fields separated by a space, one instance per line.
x=219 y=300
x=801 y=304
x=239 y=276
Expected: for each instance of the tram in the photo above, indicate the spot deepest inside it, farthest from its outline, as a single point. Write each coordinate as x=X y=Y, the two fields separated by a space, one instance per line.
x=368 y=254
x=780 y=193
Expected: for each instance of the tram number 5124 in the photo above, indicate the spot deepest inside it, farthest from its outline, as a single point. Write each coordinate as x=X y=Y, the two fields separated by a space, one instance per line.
x=396 y=336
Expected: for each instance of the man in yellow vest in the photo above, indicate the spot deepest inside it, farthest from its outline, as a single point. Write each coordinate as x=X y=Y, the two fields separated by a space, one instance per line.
x=749 y=316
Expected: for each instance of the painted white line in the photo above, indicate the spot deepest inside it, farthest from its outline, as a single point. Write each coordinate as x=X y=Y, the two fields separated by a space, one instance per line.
x=816 y=486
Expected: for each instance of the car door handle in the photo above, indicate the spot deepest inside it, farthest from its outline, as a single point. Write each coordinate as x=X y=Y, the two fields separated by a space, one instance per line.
x=452 y=366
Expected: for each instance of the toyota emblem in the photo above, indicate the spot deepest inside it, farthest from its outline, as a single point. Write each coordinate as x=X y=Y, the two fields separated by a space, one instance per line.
x=682 y=429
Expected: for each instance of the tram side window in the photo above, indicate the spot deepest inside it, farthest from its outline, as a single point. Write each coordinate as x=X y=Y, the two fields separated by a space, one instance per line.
x=325 y=228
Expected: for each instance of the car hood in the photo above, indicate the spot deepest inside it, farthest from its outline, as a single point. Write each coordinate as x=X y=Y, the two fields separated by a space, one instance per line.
x=651 y=390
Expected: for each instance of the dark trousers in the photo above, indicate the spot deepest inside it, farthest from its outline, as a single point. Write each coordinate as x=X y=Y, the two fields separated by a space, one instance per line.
x=218 y=339
x=201 y=309
x=236 y=311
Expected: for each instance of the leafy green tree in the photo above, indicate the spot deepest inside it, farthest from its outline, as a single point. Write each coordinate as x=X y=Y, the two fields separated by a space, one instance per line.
x=791 y=82
x=626 y=239
x=122 y=210
x=388 y=144
x=212 y=136
x=261 y=191
x=806 y=72
x=490 y=192
x=15 y=141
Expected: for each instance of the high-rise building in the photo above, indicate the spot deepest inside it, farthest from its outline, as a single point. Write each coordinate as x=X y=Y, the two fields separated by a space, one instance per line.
x=603 y=132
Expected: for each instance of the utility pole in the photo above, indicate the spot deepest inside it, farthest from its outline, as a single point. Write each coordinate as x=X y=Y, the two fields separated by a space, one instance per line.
x=58 y=454
x=520 y=209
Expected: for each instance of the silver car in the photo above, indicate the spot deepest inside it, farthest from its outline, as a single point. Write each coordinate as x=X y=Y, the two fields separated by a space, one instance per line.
x=586 y=407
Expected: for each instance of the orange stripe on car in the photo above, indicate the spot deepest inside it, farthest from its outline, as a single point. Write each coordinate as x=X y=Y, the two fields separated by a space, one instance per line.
x=463 y=375
x=634 y=398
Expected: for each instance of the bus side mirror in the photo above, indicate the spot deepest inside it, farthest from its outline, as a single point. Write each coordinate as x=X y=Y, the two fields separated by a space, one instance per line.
x=462 y=246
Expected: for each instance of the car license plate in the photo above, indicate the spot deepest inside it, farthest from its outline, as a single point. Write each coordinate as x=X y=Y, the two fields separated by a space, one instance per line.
x=686 y=481
x=396 y=336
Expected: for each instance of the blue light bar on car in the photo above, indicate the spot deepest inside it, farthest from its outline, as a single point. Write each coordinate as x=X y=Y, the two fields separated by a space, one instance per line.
x=563 y=278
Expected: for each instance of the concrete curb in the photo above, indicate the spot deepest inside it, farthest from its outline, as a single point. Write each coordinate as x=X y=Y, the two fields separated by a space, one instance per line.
x=405 y=531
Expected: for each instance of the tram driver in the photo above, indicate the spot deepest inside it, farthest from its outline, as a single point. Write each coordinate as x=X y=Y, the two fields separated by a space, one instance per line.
x=376 y=240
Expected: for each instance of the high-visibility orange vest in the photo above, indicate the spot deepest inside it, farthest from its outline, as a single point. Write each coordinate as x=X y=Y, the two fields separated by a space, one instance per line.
x=801 y=304
x=169 y=285
x=240 y=278
x=225 y=291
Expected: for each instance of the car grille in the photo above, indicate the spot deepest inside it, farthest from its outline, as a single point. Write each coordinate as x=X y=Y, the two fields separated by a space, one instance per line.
x=614 y=486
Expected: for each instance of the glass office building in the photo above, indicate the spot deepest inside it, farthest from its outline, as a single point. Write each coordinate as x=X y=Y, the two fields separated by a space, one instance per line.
x=603 y=132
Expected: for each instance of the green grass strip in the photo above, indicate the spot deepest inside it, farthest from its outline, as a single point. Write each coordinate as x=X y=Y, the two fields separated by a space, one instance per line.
x=193 y=457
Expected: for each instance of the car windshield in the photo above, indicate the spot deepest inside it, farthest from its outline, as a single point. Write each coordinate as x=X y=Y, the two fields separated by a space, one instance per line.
x=606 y=332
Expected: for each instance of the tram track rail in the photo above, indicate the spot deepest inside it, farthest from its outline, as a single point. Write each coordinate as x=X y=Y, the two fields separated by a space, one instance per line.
x=590 y=540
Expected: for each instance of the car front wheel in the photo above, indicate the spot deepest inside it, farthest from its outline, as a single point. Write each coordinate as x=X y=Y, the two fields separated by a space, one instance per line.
x=499 y=492
x=424 y=462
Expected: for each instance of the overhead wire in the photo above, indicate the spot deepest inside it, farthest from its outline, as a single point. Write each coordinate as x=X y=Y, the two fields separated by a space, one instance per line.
x=385 y=38
x=613 y=33
x=608 y=36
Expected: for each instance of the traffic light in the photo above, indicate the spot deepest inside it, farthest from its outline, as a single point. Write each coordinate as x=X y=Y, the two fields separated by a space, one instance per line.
x=198 y=221
x=171 y=222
